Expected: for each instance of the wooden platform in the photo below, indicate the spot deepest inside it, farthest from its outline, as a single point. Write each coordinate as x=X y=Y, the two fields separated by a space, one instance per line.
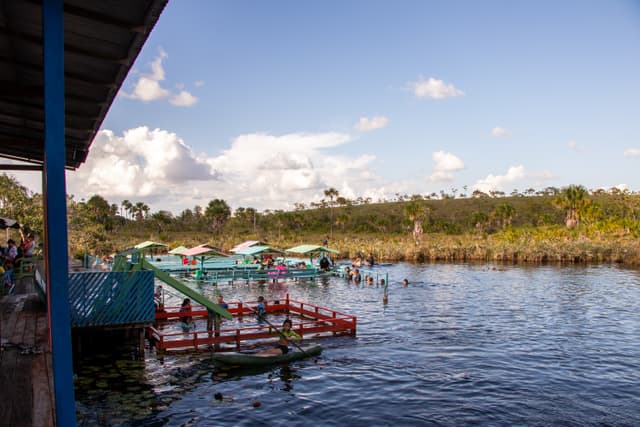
x=26 y=375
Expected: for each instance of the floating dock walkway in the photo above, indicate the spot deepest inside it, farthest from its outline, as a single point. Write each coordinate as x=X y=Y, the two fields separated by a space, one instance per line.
x=309 y=320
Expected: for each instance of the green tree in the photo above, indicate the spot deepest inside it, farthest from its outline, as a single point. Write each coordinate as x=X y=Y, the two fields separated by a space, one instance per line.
x=18 y=203
x=126 y=208
x=416 y=213
x=140 y=210
x=573 y=200
x=331 y=193
x=217 y=213
x=99 y=209
x=480 y=221
x=503 y=214
x=162 y=219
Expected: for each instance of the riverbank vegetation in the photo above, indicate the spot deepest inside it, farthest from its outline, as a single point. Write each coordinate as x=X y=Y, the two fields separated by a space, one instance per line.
x=566 y=225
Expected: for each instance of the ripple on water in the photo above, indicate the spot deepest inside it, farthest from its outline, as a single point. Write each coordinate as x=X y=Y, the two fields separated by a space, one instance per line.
x=462 y=344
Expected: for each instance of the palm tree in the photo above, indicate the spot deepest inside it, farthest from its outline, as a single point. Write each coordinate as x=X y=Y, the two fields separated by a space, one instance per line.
x=331 y=193
x=504 y=214
x=217 y=213
x=416 y=212
x=573 y=200
x=126 y=206
x=480 y=220
x=138 y=210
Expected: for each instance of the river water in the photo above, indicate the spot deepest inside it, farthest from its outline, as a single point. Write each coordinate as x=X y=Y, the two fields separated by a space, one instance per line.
x=462 y=344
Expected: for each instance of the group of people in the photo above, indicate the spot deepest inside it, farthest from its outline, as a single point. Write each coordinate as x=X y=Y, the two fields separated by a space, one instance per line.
x=186 y=321
x=360 y=261
x=353 y=274
x=12 y=256
x=285 y=334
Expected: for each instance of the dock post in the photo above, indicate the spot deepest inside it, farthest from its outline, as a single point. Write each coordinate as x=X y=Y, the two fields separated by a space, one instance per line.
x=55 y=212
x=141 y=343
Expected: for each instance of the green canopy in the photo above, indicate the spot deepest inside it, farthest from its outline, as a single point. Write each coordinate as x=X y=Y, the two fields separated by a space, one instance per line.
x=311 y=250
x=257 y=250
x=150 y=245
x=177 y=250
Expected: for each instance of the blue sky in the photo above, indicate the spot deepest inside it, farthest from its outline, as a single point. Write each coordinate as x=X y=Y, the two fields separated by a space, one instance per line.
x=265 y=104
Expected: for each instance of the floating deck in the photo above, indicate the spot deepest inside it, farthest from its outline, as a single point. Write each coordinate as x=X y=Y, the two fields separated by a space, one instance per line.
x=314 y=321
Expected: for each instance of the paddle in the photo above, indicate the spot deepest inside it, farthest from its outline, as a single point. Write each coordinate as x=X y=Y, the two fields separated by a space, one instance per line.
x=277 y=330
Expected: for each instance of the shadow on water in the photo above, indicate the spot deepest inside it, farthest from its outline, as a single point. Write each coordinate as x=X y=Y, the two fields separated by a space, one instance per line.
x=285 y=373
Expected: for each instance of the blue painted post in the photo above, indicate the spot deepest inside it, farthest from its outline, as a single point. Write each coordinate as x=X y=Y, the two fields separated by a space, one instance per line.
x=55 y=208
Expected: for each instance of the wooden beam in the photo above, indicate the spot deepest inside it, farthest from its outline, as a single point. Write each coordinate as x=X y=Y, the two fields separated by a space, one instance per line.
x=69 y=49
x=12 y=167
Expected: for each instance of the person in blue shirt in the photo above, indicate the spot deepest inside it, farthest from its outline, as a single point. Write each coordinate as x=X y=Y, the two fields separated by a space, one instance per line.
x=261 y=308
x=221 y=302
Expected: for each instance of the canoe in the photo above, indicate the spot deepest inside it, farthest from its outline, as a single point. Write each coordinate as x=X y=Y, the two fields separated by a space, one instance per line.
x=254 y=359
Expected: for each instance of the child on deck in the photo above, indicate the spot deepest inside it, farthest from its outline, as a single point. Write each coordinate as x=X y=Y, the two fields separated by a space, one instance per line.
x=261 y=308
x=221 y=302
x=187 y=322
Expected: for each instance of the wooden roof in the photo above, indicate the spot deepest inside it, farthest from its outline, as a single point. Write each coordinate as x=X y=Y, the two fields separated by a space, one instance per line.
x=101 y=39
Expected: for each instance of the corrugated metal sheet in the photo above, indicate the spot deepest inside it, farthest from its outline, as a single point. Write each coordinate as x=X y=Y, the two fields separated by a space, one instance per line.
x=111 y=299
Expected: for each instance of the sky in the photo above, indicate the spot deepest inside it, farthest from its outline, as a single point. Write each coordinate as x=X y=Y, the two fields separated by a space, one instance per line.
x=268 y=104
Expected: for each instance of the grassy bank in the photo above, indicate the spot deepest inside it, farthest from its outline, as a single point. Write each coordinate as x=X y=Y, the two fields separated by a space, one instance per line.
x=504 y=229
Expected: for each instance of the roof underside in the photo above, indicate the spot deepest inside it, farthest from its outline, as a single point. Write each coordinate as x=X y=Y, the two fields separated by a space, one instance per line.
x=102 y=40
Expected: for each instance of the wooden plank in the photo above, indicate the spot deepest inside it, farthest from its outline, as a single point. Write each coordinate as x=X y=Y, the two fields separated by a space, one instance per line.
x=22 y=398
x=42 y=332
x=42 y=392
x=10 y=324
x=7 y=371
x=17 y=336
x=31 y=319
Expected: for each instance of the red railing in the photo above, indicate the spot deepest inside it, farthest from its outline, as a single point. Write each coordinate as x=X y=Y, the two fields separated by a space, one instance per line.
x=314 y=320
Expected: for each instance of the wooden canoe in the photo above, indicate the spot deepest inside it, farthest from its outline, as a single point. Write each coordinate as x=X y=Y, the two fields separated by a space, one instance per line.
x=256 y=359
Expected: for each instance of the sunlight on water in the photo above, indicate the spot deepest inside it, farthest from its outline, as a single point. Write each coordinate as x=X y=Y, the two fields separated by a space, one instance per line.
x=461 y=344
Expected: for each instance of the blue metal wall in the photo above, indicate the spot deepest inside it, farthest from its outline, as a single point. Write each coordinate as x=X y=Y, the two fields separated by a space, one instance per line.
x=111 y=299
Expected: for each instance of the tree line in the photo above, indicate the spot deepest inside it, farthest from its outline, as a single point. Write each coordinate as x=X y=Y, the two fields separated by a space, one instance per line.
x=100 y=227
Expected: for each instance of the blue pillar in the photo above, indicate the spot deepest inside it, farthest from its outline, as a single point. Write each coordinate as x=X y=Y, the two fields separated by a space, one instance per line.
x=55 y=212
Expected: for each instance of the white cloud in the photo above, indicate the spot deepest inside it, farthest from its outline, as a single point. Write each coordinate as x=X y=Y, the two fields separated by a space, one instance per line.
x=632 y=152
x=366 y=124
x=499 y=182
x=573 y=146
x=433 y=88
x=183 y=99
x=500 y=132
x=256 y=170
x=141 y=163
x=444 y=164
x=149 y=87
x=199 y=83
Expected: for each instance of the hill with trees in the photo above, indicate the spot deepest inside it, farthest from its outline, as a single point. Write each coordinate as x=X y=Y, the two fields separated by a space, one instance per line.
x=568 y=225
